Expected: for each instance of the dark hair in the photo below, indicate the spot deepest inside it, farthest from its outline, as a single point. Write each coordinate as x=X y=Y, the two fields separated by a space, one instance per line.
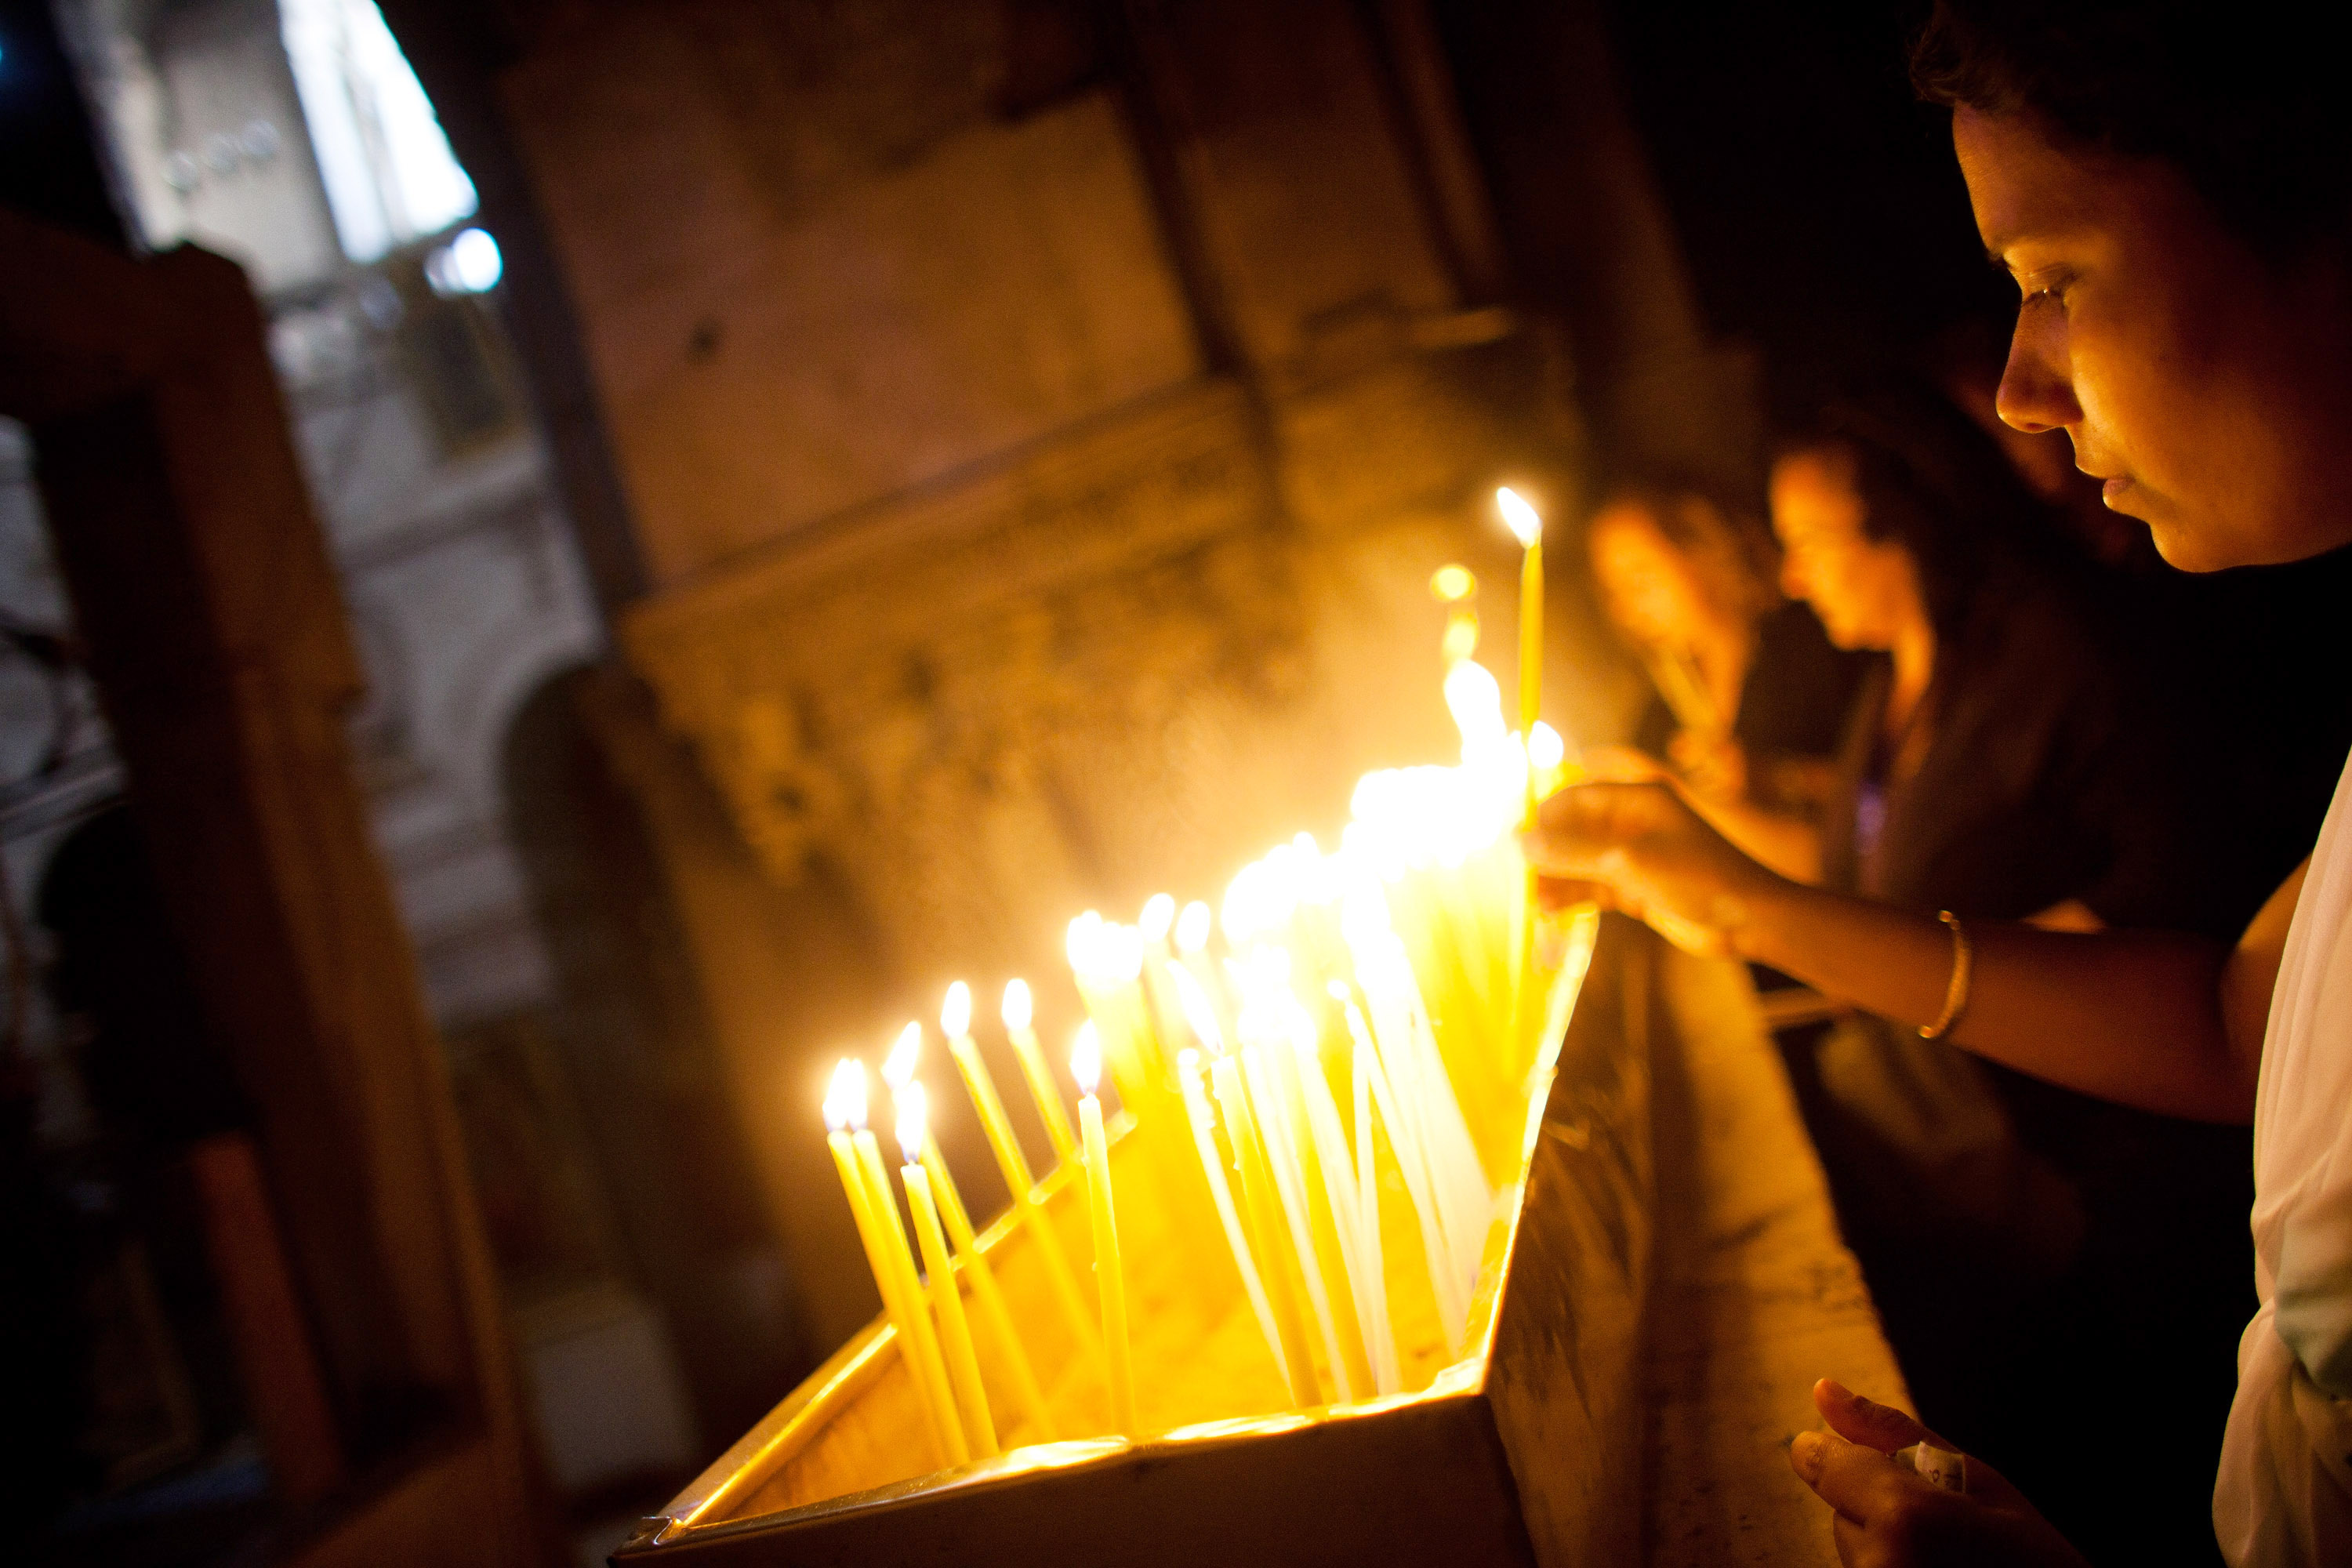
x=1934 y=483
x=2246 y=103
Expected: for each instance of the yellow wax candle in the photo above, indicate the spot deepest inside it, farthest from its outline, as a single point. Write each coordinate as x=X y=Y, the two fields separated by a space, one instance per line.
x=1204 y=1138
x=1387 y=1365
x=838 y=1114
x=1453 y=1305
x=947 y=1299
x=898 y=1071
x=1290 y=1188
x=1019 y=1013
x=955 y=1023
x=1528 y=527
x=901 y=1259
x=1110 y=1276
x=1331 y=1197
x=994 y=1315
x=1280 y=1272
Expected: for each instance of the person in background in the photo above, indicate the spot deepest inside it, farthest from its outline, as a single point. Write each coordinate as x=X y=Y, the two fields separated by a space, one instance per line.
x=2170 y=186
x=1750 y=697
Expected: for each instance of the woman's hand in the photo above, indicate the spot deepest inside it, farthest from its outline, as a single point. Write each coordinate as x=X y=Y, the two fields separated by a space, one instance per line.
x=1891 y=1517
x=1711 y=763
x=1641 y=849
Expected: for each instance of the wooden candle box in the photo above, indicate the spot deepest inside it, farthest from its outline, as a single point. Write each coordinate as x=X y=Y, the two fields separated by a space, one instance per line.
x=1526 y=1449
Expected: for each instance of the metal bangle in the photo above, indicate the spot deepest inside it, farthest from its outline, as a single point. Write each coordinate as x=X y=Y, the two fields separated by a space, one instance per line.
x=1955 y=995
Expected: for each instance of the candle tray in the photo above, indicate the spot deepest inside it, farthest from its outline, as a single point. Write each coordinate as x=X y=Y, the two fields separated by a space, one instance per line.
x=1525 y=1447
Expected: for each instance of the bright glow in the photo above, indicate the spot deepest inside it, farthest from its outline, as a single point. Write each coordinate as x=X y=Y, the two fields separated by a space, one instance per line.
x=1520 y=516
x=1192 y=928
x=1453 y=584
x=1338 y=990
x=1086 y=1057
x=899 y=1067
x=955 y=1013
x=845 y=1101
x=469 y=264
x=1120 y=955
x=1546 y=750
x=1085 y=944
x=1198 y=1012
x=914 y=1122
x=389 y=172
x=1159 y=914
x=1018 y=1008
x=1474 y=698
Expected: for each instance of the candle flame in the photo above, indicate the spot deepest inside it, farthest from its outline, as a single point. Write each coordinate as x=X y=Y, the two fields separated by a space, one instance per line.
x=845 y=1101
x=955 y=1013
x=1086 y=1057
x=1521 y=517
x=1192 y=928
x=1453 y=584
x=1119 y=958
x=914 y=1122
x=1545 y=747
x=1018 y=1008
x=1085 y=940
x=1198 y=1012
x=1339 y=990
x=899 y=1067
x=1159 y=914
x=1474 y=698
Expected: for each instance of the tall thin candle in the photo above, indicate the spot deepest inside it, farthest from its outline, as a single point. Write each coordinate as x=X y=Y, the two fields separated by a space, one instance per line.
x=1204 y=1138
x=947 y=1298
x=844 y=1109
x=1111 y=1275
x=1019 y=1014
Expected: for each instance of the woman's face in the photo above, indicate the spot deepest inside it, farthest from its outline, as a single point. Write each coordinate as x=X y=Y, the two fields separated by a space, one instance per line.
x=1865 y=590
x=2210 y=390
x=1648 y=587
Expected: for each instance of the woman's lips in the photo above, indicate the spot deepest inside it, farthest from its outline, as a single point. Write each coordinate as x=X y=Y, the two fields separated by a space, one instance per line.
x=2114 y=491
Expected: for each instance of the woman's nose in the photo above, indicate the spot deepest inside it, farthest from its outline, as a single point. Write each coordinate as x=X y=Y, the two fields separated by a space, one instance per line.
x=2037 y=392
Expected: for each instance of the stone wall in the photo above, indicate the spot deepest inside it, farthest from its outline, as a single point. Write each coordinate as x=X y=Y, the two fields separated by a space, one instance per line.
x=1041 y=503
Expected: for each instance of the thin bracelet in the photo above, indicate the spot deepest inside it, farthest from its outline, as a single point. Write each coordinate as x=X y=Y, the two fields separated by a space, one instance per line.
x=1955 y=995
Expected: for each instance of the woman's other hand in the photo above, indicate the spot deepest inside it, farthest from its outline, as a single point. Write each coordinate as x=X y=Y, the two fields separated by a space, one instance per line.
x=1889 y=1516
x=1711 y=763
x=1641 y=848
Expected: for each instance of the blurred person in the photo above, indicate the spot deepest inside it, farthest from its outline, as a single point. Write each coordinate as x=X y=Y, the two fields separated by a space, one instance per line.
x=1749 y=695
x=2171 y=185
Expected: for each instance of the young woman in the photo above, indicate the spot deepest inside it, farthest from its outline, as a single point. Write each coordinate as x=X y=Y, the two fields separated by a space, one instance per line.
x=2171 y=188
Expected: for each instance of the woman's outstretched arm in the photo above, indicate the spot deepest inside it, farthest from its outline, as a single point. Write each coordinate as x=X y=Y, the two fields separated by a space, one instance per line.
x=2165 y=1022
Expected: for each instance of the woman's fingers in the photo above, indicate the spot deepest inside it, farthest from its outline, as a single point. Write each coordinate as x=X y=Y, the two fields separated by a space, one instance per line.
x=1861 y=1483
x=1864 y=1421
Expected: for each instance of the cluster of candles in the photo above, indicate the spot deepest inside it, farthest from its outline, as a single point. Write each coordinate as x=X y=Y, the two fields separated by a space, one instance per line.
x=1403 y=964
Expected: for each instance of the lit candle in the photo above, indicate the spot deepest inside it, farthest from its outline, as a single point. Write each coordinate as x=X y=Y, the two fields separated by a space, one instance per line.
x=932 y=1369
x=845 y=1108
x=955 y=1023
x=1110 y=1279
x=1453 y=1305
x=1328 y=1141
x=1018 y=1013
x=899 y=1072
x=1278 y=1292
x=1204 y=1138
x=1528 y=527
x=1387 y=1370
x=1281 y=1274
x=1457 y=590
x=1274 y=1128
x=947 y=1299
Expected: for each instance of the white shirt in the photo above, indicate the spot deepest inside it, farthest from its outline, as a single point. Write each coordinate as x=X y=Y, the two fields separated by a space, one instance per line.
x=2283 y=1494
